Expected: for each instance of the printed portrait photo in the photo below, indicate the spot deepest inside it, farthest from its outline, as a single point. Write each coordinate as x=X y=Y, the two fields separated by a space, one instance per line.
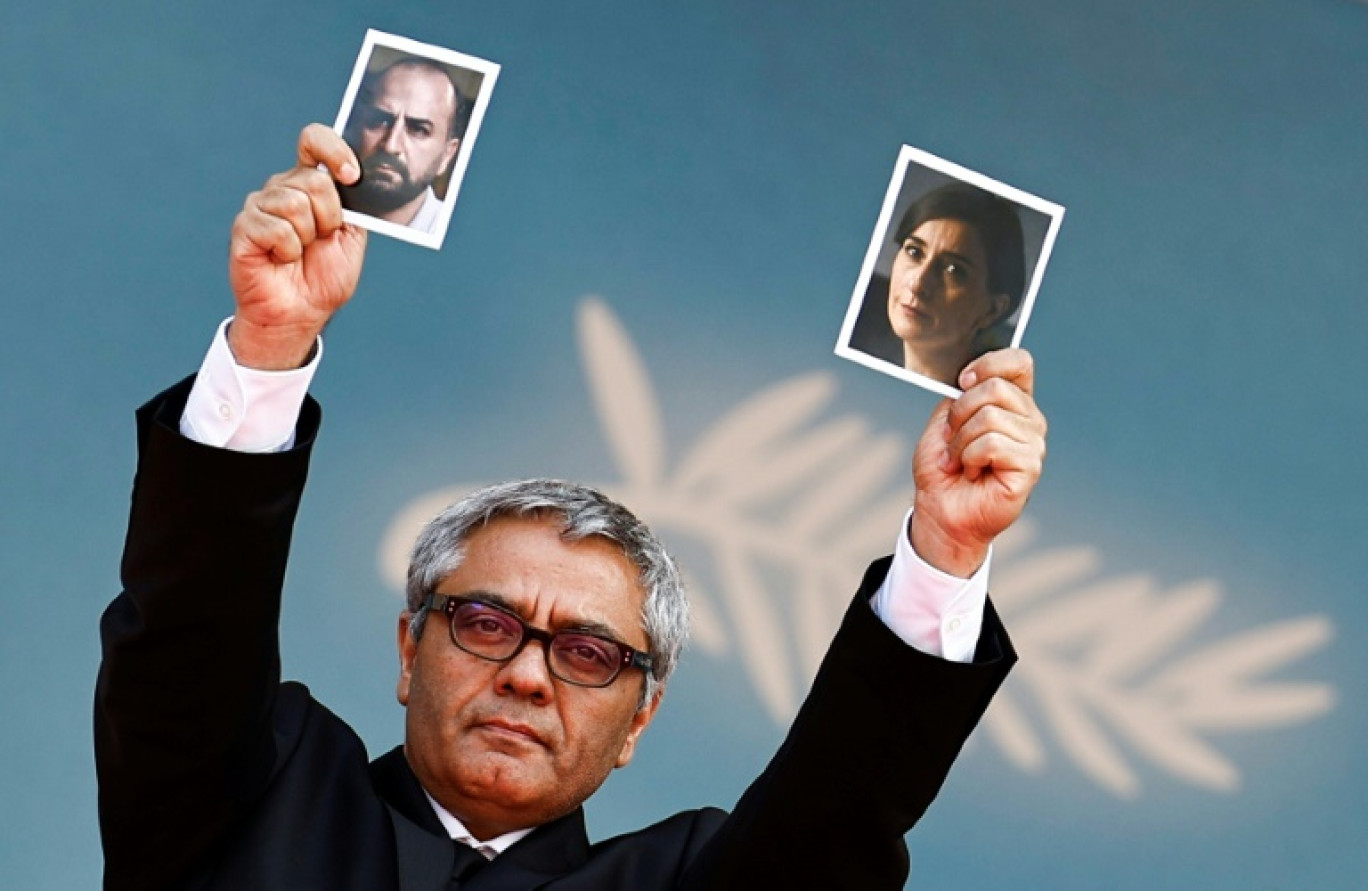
x=951 y=272
x=411 y=113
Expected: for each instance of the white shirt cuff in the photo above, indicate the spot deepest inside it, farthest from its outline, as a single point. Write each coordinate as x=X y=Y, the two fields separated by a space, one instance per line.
x=243 y=409
x=939 y=614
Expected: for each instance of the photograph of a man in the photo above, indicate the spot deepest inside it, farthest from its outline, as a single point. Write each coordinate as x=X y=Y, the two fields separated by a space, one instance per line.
x=406 y=129
x=411 y=121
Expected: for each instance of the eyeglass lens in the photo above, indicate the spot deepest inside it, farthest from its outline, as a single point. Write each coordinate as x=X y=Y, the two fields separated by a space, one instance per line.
x=573 y=656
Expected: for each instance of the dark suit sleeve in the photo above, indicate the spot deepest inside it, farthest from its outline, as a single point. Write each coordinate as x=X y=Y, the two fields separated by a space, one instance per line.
x=865 y=757
x=188 y=681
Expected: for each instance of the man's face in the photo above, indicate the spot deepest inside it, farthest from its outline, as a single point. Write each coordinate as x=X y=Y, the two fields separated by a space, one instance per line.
x=938 y=291
x=401 y=137
x=505 y=746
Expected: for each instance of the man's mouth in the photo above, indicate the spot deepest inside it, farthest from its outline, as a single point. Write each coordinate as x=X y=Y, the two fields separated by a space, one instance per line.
x=512 y=729
x=386 y=167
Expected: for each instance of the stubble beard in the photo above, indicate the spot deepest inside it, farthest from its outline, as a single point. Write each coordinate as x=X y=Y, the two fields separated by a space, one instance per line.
x=377 y=193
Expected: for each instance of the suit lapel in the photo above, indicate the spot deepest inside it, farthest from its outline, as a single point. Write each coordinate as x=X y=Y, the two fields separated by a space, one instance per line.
x=423 y=848
x=424 y=859
x=400 y=789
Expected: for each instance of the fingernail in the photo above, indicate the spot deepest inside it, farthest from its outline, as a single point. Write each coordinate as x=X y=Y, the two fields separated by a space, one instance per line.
x=968 y=379
x=945 y=431
x=348 y=172
x=947 y=463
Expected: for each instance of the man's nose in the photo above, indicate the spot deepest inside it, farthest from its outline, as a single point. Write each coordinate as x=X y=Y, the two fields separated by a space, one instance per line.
x=392 y=144
x=527 y=674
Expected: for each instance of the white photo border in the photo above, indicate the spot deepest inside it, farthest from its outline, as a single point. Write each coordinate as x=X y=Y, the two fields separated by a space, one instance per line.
x=907 y=156
x=490 y=73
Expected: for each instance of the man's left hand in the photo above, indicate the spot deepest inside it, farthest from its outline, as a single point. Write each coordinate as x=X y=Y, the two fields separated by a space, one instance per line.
x=977 y=462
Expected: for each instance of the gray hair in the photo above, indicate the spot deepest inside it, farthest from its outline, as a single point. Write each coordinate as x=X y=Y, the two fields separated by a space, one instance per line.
x=582 y=512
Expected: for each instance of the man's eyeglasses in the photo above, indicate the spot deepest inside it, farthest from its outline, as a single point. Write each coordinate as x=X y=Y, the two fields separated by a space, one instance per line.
x=491 y=632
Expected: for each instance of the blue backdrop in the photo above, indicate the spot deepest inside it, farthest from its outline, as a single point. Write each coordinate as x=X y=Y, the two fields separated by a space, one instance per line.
x=649 y=261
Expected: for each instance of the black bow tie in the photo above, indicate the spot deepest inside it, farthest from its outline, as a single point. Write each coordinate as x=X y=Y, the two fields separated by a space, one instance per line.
x=465 y=863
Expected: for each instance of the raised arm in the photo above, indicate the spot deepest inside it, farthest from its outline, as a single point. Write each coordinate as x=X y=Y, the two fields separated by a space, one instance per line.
x=187 y=689
x=884 y=722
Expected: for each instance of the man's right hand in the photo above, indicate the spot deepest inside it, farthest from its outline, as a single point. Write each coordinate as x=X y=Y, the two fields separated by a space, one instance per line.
x=293 y=262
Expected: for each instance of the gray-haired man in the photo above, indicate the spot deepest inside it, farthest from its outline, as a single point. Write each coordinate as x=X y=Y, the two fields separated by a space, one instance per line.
x=542 y=623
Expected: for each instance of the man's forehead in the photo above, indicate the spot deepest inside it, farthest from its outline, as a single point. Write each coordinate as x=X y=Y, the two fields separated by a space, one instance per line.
x=410 y=83
x=530 y=566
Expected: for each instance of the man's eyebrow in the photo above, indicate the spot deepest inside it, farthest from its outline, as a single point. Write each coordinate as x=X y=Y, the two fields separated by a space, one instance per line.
x=491 y=597
x=598 y=629
x=587 y=626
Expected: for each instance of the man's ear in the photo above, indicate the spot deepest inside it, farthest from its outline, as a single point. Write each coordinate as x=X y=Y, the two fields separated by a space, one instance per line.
x=408 y=652
x=452 y=147
x=640 y=721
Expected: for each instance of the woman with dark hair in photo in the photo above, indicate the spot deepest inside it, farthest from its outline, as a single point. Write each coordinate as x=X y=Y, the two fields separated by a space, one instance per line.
x=956 y=280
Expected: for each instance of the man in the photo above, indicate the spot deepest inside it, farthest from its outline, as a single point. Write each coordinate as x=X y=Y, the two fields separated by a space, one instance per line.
x=557 y=623
x=406 y=128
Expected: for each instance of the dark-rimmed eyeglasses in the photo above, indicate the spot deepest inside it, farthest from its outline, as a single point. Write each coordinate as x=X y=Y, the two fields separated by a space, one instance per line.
x=491 y=632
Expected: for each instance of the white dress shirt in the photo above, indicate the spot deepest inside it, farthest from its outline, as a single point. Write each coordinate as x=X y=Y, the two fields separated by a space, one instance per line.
x=425 y=220
x=458 y=832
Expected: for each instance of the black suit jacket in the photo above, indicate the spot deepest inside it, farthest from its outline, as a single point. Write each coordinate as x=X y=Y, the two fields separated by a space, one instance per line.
x=215 y=775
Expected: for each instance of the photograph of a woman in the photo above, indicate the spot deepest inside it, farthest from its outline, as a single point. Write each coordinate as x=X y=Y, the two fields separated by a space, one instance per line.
x=957 y=278
x=951 y=272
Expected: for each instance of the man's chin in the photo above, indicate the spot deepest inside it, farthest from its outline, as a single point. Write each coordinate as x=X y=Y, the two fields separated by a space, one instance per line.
x=378 y=199
x=503 y=782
